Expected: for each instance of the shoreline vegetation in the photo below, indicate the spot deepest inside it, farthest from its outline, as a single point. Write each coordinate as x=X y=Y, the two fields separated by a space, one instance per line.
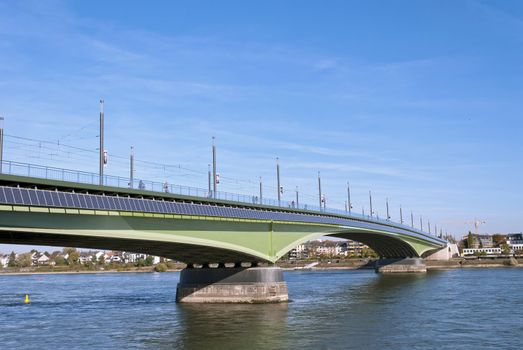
x=333 y=264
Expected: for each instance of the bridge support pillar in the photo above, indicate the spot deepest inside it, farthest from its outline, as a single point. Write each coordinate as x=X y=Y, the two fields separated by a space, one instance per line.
x=406 y=265
x=232 y=285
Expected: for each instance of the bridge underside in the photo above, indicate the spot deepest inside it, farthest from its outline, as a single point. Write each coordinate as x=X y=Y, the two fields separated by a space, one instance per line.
x=383 y=245
x=192 y=253
x=184 y=252
x=191 y=239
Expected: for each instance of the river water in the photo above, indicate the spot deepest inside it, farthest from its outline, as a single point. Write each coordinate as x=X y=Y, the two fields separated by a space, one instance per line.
x=453 y=309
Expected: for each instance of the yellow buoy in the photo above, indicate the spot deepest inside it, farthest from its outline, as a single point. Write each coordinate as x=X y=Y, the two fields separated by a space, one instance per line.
x=26 y=301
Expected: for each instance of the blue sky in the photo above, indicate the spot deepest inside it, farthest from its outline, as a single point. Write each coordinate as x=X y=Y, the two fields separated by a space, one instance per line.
x=418 y=101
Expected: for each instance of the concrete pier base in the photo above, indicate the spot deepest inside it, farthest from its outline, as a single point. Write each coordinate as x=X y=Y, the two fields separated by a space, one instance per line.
x=232 y=285
x=407 y=265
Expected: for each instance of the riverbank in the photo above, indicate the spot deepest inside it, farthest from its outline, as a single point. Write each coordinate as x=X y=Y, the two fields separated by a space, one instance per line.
x=349 y=264
x=358 y=264
x=18 y=273
x=64 y=270
x=473 y=263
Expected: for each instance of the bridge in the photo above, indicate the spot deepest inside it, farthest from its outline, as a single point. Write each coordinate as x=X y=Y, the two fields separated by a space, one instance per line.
x=59 y=207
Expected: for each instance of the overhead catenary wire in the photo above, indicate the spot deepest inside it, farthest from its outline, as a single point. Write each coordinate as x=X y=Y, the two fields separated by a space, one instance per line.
x=53 y=150
x=124 y=159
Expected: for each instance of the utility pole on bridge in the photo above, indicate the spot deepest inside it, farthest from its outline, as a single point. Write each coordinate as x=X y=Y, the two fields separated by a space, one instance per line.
x=280 y=189
x=209 y=189
x=320 y=196
x=131 y=172
x=215 y=179
x=387 y=203
x=370 y=202
x=101 y=142
x=261 y=191
x=1 y=142
x=349 y=204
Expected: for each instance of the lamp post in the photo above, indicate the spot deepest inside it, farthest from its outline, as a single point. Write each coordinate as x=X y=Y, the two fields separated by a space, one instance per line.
x=387 y=203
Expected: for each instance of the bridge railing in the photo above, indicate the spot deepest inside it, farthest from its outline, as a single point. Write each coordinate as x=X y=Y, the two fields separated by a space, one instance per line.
x=53 y=173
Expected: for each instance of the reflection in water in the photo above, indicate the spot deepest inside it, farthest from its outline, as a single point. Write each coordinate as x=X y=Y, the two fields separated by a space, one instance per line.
x=236 y=326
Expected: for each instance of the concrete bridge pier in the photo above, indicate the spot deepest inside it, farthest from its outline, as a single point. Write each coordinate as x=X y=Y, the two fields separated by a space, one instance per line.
x=405 y=265
x=232 y=285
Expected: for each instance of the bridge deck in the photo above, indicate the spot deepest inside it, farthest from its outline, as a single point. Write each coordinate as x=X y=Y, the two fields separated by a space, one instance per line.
x=26 y=191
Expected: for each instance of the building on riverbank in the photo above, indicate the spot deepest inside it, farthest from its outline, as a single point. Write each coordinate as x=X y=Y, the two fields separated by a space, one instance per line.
x=515 y=242
x=482 y=251
x=327 y=248
x=4 y=261
x=473 y=241
x=71 y=256
x=499 y=243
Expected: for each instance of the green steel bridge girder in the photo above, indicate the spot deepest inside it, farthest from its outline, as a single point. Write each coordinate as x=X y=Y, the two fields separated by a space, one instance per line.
x=191 y=239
